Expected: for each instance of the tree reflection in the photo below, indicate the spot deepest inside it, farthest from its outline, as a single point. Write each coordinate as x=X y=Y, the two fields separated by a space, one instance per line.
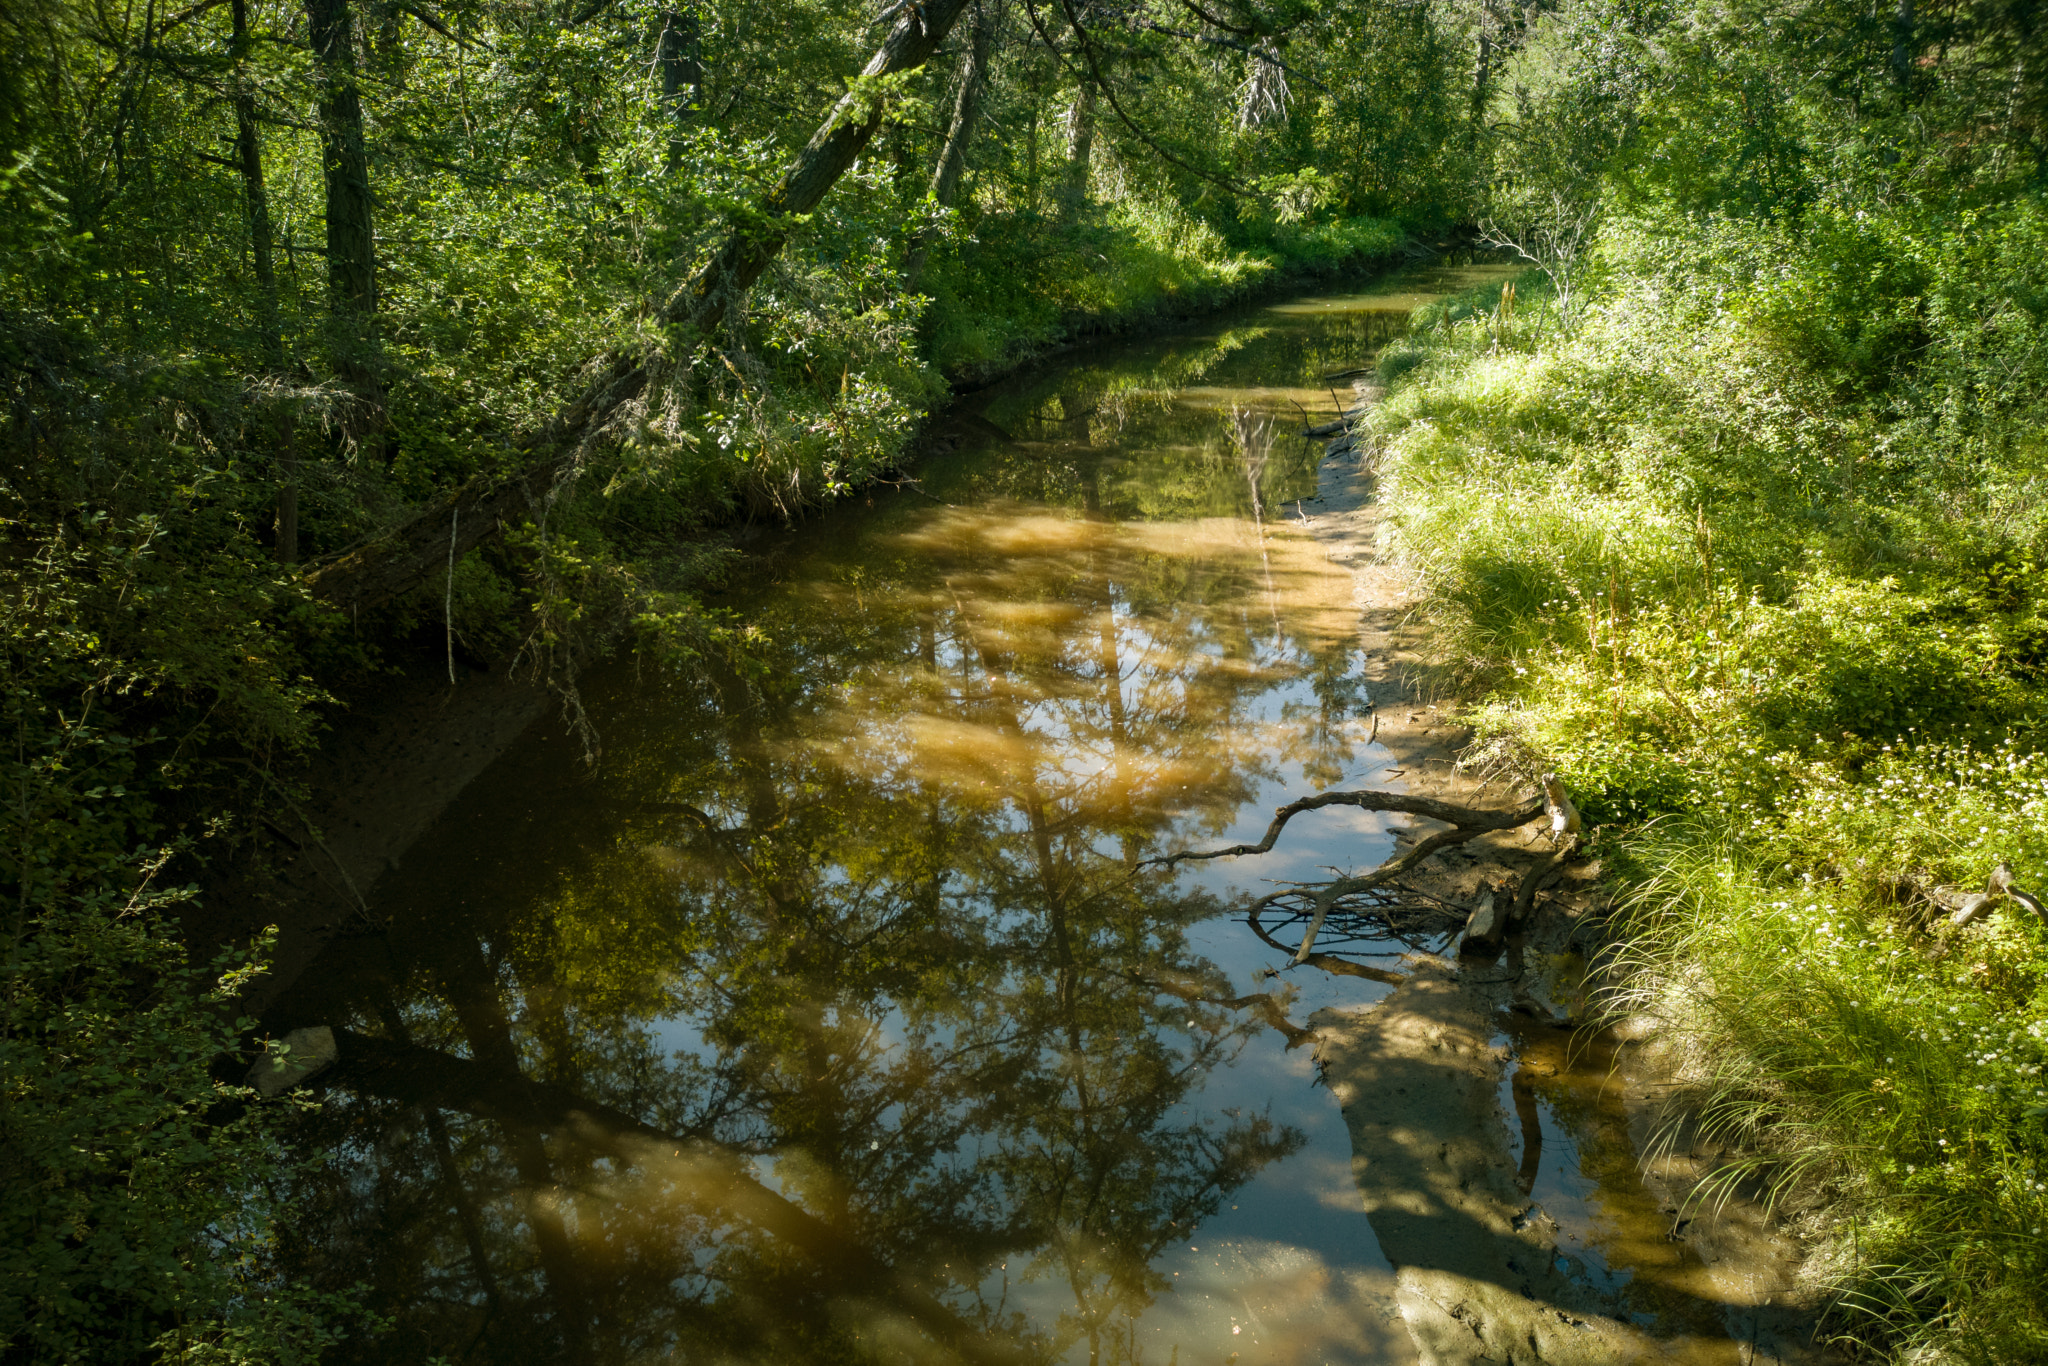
x=832 y=1019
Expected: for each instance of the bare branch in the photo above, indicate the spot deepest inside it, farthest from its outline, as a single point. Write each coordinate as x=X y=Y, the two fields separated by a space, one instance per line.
x=1450 y=813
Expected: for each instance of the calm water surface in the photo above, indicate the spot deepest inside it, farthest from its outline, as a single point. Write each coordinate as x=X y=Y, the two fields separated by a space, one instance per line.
x=828 y=1015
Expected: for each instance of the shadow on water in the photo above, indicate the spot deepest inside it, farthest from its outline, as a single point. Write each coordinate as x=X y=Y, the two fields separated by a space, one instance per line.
x=829 y=1017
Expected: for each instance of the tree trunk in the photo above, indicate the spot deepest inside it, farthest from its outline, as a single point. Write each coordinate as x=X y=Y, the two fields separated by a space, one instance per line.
x=845 y=133
x=1482 y=75
x=417 y=548
x=679 y=53
x=270 y=336
x=1902 y=47
x=1080 y=150
x=351 y=241
x=972 y=77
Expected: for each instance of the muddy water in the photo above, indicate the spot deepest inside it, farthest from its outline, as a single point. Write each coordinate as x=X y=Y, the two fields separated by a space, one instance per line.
x=832 y=1014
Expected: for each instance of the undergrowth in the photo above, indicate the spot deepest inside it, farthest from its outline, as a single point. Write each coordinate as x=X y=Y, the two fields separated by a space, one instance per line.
x=1763 y=583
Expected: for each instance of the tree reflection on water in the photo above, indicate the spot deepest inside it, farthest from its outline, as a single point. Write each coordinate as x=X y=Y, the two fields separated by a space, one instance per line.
x=829 y=1016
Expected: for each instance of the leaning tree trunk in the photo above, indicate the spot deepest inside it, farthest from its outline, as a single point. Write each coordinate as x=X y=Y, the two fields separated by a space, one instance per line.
x=844 y=135
x=419 y=547
x=972 y=78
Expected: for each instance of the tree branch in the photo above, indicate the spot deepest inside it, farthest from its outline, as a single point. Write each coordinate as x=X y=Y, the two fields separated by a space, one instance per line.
x=417 y=548
x=1214 y=22
x=1467 y=823
x=1449 y=813
x=1109 y=93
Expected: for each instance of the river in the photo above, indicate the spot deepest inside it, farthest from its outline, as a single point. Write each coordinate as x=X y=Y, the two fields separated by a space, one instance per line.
x=831 y=1012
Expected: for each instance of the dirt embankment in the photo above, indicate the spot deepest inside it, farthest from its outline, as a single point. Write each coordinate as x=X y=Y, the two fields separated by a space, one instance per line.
x=1451 y=1084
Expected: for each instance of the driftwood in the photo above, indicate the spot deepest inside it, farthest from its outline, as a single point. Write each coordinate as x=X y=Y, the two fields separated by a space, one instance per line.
x=1483 y=932
x=1337 y=427
x=1998 y=887
x=1466 y=822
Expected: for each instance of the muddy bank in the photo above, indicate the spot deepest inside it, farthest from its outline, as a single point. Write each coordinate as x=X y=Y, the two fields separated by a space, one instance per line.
x=1450 y=1083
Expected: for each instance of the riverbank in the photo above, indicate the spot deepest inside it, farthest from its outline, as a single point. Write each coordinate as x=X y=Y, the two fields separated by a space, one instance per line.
x=1495 y=1160
x=1780 y=635
x=1450 y=1083
x=403 y=742
x=1111 y=626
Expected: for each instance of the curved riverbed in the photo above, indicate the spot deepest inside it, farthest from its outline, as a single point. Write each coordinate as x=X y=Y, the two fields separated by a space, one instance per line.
x=832 y=1014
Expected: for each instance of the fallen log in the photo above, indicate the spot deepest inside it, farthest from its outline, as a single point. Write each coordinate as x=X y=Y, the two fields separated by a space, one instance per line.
x=1332 y=428
x=1997 y=888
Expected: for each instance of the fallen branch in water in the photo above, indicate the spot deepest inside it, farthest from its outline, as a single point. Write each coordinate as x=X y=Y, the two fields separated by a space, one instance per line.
x=1340 y=427
x=1450 y=813
x=1466 y=822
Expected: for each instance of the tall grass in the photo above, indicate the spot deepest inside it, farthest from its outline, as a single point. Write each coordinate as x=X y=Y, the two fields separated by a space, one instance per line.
x=1779 y=620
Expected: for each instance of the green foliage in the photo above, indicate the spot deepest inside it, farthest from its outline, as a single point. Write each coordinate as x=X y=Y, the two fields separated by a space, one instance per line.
x=1760 y=540
x=138 y=1216
x=138 y=1194
x=1745 y=560
x=1912 y=1090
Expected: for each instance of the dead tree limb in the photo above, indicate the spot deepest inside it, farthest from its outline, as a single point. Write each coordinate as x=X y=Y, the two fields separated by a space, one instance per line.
x=1329 y=962
x=1998 y=887
x=1450 y=813
x=1466 y=822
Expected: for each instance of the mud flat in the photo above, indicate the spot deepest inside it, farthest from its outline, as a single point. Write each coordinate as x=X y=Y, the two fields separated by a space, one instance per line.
x=1450 y=1084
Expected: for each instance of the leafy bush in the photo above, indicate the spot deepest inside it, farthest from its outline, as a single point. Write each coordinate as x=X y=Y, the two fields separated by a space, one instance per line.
x=139 y=1194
